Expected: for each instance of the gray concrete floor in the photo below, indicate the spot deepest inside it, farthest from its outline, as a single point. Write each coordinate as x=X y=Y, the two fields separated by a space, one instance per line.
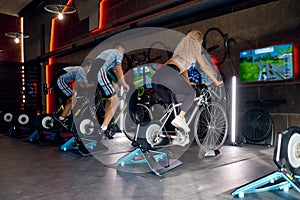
x=31 y=172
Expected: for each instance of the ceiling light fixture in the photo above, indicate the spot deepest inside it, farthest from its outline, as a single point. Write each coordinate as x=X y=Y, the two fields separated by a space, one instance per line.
x=60 y=10
x=17 y=40
x=16 y=36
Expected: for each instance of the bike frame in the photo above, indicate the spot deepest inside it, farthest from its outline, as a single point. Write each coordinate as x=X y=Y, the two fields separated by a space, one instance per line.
x=201 y=101
x=121 y=112
x=83 y=107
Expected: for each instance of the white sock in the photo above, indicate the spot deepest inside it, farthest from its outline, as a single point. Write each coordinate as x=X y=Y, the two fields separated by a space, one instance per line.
x=61 y=118
x=104 y=127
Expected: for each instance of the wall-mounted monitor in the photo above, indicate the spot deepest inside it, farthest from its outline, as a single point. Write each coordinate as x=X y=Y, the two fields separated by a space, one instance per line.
x=271 y=63
x=142 y=75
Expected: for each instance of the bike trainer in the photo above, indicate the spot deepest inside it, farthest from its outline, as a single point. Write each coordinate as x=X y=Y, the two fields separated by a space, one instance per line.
x=277 y=180
x=84 y=146
x=158 y=162
x=42 y=137
x=286 y=157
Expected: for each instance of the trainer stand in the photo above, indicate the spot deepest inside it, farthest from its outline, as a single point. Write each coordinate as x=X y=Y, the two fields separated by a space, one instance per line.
x=46 y=132
x=286 y=158
x=85 y=147
x=278 y=180
x=18 y=131
x=159 y=162
x=211 y=153
x=46 y=137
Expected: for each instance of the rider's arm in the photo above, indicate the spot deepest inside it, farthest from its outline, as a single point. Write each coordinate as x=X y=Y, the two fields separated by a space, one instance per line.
x=81 y=78
x=206 y=69
x=119 y=73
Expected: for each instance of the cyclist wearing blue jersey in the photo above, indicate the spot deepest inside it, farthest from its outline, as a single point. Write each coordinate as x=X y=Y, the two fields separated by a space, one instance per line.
x=109 y=74
x=64 y=85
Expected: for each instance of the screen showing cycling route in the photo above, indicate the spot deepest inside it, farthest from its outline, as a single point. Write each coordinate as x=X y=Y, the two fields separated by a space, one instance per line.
x=272 y=63
x=142 y=75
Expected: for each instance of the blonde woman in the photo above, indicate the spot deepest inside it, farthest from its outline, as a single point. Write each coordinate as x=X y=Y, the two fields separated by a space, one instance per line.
x=174 y=76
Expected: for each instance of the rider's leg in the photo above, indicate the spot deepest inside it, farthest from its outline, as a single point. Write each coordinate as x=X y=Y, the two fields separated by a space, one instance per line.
x=111 y=106
x=110 y=90
x=68 y=98
x=173 y=80
x=68 y=107
x=62 y=119
x=190 y=94
x=181 y=114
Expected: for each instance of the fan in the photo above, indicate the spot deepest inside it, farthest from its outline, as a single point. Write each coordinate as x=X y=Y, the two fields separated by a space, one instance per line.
x=257 y=127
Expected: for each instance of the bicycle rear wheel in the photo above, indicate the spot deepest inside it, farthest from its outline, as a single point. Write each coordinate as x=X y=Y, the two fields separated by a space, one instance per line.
x=211 y=127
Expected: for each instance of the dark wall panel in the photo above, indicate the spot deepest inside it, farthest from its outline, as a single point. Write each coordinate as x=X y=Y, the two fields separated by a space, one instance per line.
x=11 y=86
x=11 y=52
x=20 y=87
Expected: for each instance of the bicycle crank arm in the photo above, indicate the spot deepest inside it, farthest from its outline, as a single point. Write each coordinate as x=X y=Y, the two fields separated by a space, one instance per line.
x=168 y=136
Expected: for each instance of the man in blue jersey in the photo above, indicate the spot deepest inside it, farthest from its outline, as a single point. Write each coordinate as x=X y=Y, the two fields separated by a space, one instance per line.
x=111 y=65
x=64 y=85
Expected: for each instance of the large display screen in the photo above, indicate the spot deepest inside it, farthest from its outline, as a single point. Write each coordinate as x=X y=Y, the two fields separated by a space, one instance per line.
x=142 y=75
x=272 y=63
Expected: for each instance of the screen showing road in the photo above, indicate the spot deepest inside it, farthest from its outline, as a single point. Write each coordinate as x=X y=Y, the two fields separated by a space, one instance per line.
x=273 y=63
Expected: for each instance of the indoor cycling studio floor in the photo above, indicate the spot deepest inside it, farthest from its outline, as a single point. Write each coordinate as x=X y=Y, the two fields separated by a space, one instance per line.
x=31 y=172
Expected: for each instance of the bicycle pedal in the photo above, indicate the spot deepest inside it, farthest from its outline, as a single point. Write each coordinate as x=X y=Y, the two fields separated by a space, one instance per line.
x=105 y=134
x=168 y=136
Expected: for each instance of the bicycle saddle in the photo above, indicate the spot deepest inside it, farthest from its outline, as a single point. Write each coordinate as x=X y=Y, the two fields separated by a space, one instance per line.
x=165 y=93
x=200 y=89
